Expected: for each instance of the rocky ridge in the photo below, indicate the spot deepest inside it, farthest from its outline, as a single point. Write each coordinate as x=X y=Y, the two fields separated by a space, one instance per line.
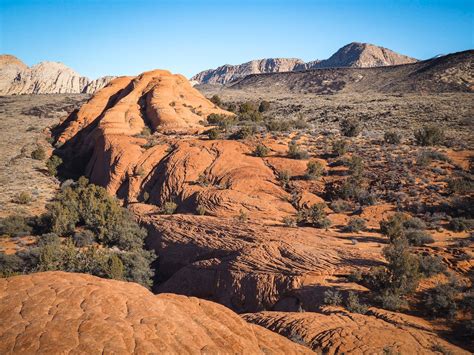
x=44 y=78
x=354 y=55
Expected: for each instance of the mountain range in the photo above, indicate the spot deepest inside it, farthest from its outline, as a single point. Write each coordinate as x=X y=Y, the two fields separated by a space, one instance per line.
x=44 y=78
x=355 y=55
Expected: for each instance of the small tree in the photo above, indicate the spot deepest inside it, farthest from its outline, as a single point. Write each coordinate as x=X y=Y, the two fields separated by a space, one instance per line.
x=315 y=215
x=350 y=127
x=354 y=305
x=216 y=100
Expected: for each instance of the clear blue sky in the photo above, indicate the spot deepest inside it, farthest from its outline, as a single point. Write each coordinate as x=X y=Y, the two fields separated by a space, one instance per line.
x=127 y=37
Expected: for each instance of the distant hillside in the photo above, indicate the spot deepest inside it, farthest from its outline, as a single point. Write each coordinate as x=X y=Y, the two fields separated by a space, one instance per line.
x=357 y=55
x=43 y=78
x=228 y=73
x=448 y=73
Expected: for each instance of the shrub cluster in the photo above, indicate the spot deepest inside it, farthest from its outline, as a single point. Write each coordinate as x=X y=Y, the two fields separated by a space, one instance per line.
x=350 y=127
x=99 y=237
x=402 y=226
x=314 y=170
x=315 y=216
x=429 y=135
x=295 y=152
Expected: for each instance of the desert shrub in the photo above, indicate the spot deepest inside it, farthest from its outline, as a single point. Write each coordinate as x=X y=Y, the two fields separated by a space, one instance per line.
x=289 y=222
x=114 y=268
x=461 y=224
x=245 y=132
x=403 y=267
x=15 y=226
x=431 y=265
x=284 y=177
x=356 y=166
x=418 y=237
x=350 y=127
x=414 y=223
x=339 y=147
x=264 y=106
x=402 y=226
x=10 y=265
x=391 y=300
x=213 y=133
x=332 y=298
x=429 y=135
x=83 y=238
x=169 y=207
x=23 y=198
x=462 y=186
x=314 y=170
x=354 y=305
x=277 y=125
x=425 y=157
x=253 y=116
x=341 y=206
x=201 y=210
x=39 y=153
x=52 y=164
x=216 y=100
x=300 y=123
x=248 y=107
x=260 y=151
x=356 y=224
x=295 y=152
x=441 y=301
x=315 y=215
x=392 y=137
x=136 y=264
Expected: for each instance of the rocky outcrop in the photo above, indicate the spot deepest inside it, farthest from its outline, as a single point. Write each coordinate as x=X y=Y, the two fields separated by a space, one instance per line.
x=355 y=55
x=228 y=73
x=363 y=55
x=44 y=78
x=58 y=313
x=337 y=331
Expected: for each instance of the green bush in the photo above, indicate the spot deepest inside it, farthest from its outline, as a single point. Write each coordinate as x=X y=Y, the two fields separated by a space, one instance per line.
x=52 y=164
x=354 y=305
x=10 y=265
x=441 y=301
x=245 y=132
x=201 y=210
x=315 y=215
x=213 y=134
x=431 y=265
x=356 y=224
x=15 y=226
x=340 y=205
x=339 y=147
x=392 y=137
x=295 y=152
x=277 y=125
x=429 y=135
x=314 y=170
x=83 y=238
x=289 y=222
x=356 y=166
x=332 y=298
x=260 y=151
x=418 y=237
x=216 y=100
x=462 y=186
x=39 y=153
x=350 y=127
x=284 y=177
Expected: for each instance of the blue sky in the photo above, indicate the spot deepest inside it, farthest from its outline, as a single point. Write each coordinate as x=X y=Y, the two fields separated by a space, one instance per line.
x=100 y=37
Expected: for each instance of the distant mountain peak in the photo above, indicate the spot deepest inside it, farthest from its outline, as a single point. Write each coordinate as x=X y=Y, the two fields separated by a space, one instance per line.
x=354 y=54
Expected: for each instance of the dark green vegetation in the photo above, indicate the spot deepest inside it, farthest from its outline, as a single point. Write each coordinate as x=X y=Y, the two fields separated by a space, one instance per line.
x=84 y=230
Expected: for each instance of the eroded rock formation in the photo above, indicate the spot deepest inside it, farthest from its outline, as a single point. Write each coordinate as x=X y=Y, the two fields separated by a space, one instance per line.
x=56 y=312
